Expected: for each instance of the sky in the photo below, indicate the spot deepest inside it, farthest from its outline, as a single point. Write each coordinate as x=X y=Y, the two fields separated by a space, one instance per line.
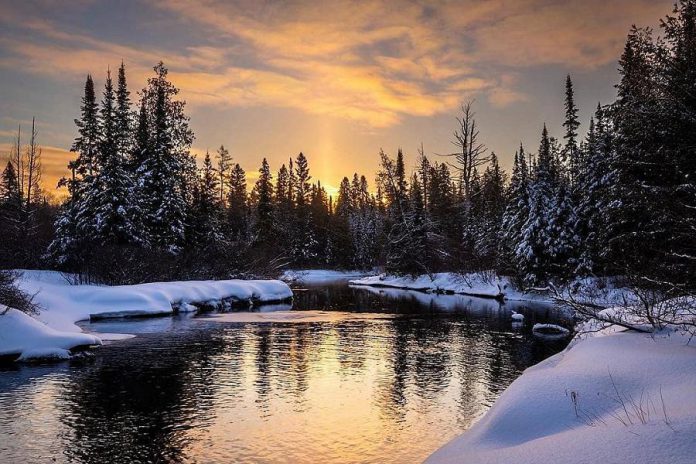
x=337 y=80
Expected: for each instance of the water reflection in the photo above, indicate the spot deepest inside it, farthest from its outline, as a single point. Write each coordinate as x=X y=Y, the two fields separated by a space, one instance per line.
x=342 y=389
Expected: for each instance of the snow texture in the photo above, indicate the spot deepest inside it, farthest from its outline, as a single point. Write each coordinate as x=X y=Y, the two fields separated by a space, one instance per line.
x=568 y=409
x=478 y=284
x=24 y=337
x=600 y=291
x=320 y=276
x=53 y=333
x=64 y=304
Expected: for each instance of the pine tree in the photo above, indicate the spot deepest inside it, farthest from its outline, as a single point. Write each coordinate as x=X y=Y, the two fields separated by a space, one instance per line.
x=302 y=238
x=263 y=192
x=108 y=213
x=87 y=142
x=123 y=116
x=516 y=214
x=493 y=206
x=570 y=151
x=535 y=250
x=161 y=177
x=237 y=204
x=205 y=212
x=224 y=163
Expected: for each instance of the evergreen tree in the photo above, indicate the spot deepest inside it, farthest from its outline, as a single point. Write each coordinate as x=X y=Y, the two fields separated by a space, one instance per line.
x=224 y=163
x=263 y=193
x=161 y=175
x=87 y=142
x=205 y=212
x=571 y=124
x=237 y=204
x=516 y=214
x=123 y=116
x=109 y=213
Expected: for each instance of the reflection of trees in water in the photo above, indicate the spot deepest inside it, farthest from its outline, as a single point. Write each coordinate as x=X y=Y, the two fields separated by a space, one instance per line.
x=120 y=411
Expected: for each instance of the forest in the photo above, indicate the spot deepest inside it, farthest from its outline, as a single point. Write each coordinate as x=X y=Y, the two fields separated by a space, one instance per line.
x=616 y=199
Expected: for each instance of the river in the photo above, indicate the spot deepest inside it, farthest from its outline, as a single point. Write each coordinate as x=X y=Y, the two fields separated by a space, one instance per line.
x=345 y=375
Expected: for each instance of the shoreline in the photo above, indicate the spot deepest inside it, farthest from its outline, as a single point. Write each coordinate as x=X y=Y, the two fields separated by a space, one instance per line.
x=616 y=397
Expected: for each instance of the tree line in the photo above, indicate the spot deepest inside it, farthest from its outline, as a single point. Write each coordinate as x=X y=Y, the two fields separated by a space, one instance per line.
x=618 y=199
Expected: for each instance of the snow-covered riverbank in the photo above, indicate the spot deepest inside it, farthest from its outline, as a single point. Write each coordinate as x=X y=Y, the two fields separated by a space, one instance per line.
x=617 y=398
x=320 y=276
x=62 y=305
x=601 y=291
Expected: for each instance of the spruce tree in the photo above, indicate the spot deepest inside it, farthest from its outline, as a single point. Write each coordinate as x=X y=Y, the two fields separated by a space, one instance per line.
x=237 y=204
x=263 y=192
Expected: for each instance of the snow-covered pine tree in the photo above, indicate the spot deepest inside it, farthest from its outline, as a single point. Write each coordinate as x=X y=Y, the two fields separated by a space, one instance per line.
x=535 y=250
x=109 y=213
x=636 y=214
x=302 y=239
x=86 y=144
x=515 y=215
x=161 y=172
x=238 y=206
x=493 y=206
x=345 y=226
x=594 y=199
x=677 y=67
x=69 y=238
x=203 y=226
x=263 y=194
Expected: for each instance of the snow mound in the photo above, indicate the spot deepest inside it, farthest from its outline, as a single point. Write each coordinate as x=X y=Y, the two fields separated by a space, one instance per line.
x=66 y=304
x=26 y=338
x=476 y=284
x=570 y=408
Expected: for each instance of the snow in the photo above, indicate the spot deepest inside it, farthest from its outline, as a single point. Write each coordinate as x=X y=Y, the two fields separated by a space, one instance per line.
x=65 y=304
x=476 y=284
x=27 y=338
x=320 y=276
x=605 y=292
x=568 y=408
x=54 y=331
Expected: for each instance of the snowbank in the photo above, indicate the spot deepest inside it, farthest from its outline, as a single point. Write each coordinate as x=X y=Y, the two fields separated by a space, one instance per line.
x=604 y=292
x=65 y=304
x=570 y=408
x=478 y=284
x=320 y=276
x=23 y=338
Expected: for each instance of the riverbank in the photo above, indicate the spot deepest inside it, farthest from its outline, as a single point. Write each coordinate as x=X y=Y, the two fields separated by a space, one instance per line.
x=600 y=291
x=614 y=397
x=63 y=305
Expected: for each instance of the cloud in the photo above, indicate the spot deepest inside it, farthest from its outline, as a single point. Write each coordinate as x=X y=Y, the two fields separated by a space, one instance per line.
x=375 y=62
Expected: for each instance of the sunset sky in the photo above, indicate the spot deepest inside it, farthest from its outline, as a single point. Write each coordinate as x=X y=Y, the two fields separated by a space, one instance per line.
x=337 y=80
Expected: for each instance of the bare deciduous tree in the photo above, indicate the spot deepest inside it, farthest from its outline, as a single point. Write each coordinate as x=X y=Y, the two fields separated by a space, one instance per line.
x=471 y=153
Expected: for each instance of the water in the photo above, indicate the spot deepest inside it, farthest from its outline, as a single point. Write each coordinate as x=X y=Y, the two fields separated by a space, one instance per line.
x=359 y=375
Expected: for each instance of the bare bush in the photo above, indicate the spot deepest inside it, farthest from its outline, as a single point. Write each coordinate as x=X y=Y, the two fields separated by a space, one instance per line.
x=12 y=297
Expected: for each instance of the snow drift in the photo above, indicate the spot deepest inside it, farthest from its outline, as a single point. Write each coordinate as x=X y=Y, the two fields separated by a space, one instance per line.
x=53 y=333
x=66 y=304
x=23 y=338
x=477 y=284
x=620 y=397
